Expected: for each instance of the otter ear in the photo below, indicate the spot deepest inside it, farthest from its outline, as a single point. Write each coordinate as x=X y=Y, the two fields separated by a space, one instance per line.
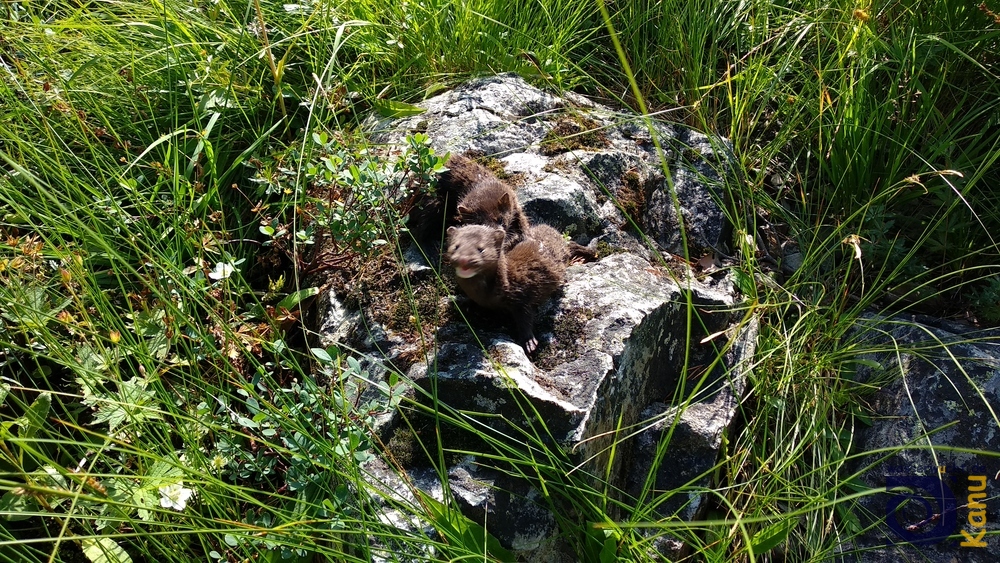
x=452 y=230
x=464 y=209
x=499 y=234
x=505 y=199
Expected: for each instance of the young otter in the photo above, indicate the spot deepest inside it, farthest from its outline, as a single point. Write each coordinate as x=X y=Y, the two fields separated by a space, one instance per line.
x=483 y=199
x=516 y=281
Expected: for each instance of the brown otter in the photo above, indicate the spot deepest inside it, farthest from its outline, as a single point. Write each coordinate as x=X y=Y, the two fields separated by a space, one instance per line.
x=483 y=199
x=516 y=280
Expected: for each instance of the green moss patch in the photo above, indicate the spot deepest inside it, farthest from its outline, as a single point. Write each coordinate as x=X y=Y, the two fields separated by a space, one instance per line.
x=572 y=133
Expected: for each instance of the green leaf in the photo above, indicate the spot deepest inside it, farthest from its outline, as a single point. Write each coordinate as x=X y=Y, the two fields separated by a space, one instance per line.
x=609 y=552
x=5 y=428
x=147 y=500
x=461 y=531
x=247 y=422
x=293 y=299
x=321 y=355
x=91 y=360
x=17 y=505
x=354 y=365
x=163 y=473
x=434 y=88
x=52 y=478
x=391 y=108
x=772 y=536
x=159 y=345
x=104 y=550
x=149 y=323
x=133 y=403
x=745 y=282
x=215 y=98
x=35 y=417
x=16 y=218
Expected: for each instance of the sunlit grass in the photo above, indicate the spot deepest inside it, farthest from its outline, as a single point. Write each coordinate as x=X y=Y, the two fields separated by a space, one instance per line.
x=145 y=351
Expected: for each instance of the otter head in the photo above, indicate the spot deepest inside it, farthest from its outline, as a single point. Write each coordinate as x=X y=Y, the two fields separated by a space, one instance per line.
x=474 y=248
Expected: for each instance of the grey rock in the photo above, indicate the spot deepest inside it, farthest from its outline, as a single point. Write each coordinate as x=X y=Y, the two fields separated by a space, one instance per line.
x=496 y=115
x=700 y=214
x=683 y=474
x=416 y=262
x=510 y=509
x=607 y=168
x=792 y=262
x=506 y=118
x=562 y=203
x=398 y=508
x=337 y=323
x=619 y=350
x=614 y=341
x=940 y=408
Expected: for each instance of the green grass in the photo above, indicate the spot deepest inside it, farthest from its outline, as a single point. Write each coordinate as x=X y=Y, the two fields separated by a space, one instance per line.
x=146 y=145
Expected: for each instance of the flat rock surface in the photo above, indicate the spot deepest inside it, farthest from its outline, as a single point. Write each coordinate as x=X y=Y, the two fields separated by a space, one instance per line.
x=941 y=402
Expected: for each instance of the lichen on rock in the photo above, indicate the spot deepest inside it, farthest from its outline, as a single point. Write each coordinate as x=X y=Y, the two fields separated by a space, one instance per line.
x=618 y=338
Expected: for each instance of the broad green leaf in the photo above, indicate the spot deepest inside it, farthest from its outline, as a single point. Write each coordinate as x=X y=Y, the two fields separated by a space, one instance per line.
x=147 y=500
x=745 y=282
x=609 y=553
x=769 y=538
x=91 y=360
x=293 y=299
x=434 y=88
x=322 y=355
x=53 y=479
x=392 y=108
x=5 y=429
x=149 y=323
x=133 y=403
x=460 y=530
x=159 y=345
x=104 y=550
x=35 y=417
x=16 y=505
x=16 y=218
x=215 y=98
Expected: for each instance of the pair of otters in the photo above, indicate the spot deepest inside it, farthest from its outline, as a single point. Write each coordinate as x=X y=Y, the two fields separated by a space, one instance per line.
x=502 y=261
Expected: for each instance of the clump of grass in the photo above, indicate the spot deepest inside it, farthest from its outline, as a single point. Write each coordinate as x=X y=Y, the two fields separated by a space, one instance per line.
x=159 y=162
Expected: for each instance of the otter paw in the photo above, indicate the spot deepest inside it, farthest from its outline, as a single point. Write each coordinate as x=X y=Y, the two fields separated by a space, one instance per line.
x=530 y=345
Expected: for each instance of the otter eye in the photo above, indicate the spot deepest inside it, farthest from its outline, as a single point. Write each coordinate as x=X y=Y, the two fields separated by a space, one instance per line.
x=481 y=249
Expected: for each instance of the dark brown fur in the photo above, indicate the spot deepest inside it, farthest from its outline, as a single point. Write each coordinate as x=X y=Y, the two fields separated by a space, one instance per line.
x=579 y=253
x=483 y=199
x=477 y=248
x=557 y=247
x=516 y=281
